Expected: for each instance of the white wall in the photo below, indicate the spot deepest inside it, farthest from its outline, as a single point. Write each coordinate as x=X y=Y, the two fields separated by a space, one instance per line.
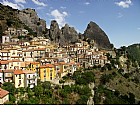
x=4 y=99
x=1 y=77
x=5 y=39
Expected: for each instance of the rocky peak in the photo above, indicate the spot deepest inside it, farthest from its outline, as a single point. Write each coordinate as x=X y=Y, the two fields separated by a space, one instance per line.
x=54 y=24
x=54 y=31
x=66 y=35
x=30 y=18
x=69 y=34
x=94 y=32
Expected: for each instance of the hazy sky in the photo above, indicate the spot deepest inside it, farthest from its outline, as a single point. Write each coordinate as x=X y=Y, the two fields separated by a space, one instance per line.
x=120 y=19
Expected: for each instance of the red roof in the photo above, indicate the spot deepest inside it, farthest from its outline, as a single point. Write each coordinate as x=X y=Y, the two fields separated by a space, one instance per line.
x=47 y=66
x=3 y=93
x=4 y=62
x=17 y=72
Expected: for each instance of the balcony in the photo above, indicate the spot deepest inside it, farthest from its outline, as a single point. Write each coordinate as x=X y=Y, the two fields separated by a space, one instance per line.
x=31 y=78
x=32 y=82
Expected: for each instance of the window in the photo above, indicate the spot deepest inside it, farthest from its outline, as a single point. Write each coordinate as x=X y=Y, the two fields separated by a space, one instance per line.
x=13 y=52
x=19 y=82
x=20 y=76
x=51 y=74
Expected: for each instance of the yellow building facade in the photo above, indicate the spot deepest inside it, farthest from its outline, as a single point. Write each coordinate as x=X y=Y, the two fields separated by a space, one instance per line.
x=47 y=72
x=34 y=66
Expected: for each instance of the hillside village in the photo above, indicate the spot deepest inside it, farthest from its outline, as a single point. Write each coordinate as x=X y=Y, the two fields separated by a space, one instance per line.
x=23 y=62
x=58 y=65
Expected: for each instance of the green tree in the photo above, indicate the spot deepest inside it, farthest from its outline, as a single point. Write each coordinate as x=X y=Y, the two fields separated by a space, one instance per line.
x=105 y=79
x=38 y=90
x=9 y=87
x=22 y=90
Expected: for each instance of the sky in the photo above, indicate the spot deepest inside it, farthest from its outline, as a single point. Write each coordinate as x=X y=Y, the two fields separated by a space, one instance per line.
x=120 y=19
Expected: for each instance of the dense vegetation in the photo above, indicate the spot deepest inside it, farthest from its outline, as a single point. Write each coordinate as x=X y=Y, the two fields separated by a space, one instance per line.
x=112 y=97
x=134 y=52
x=47 y=93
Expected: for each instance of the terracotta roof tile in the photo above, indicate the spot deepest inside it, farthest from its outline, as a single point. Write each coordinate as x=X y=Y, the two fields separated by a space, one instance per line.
x=47 y=66
x=34 y=63
x=28 y=72
x=3 y=93
x=62 y=63
x=17 y=72
x=4 y=62
x=5 y=51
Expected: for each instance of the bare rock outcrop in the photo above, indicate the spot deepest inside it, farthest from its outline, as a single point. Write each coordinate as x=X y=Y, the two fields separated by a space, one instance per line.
x=69 y=34
x=94 y=32
x=54 y=31
x=30 y=18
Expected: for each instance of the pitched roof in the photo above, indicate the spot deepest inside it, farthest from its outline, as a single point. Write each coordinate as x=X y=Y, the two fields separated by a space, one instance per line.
x=62 y=63
x=3 y=93
x=28 y=72
x=4 y=62
x=47 y=66
x=17 y=72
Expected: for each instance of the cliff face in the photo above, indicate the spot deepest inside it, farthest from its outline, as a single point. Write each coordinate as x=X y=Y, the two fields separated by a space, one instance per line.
x=64 y=36
x=26 y=18
x=93 y=31
x=30 y=18
x=69 y=35
x=8 y=18
x=54 y=32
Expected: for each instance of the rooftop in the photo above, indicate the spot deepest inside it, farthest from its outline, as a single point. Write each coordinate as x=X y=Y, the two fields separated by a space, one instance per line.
x=3 y=93
x=17 y=72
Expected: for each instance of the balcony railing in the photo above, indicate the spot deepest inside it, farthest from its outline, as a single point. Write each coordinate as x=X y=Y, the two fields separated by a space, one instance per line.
x=30 y=78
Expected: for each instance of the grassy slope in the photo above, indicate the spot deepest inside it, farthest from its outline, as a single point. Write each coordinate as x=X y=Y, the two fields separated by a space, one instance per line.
x=120 y=83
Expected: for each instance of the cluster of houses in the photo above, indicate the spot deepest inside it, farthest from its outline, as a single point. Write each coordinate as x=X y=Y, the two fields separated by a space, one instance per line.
x=23 y=62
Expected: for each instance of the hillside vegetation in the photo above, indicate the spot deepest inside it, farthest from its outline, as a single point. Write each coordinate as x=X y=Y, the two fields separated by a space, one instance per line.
x=9 y=18
x=134 y=52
